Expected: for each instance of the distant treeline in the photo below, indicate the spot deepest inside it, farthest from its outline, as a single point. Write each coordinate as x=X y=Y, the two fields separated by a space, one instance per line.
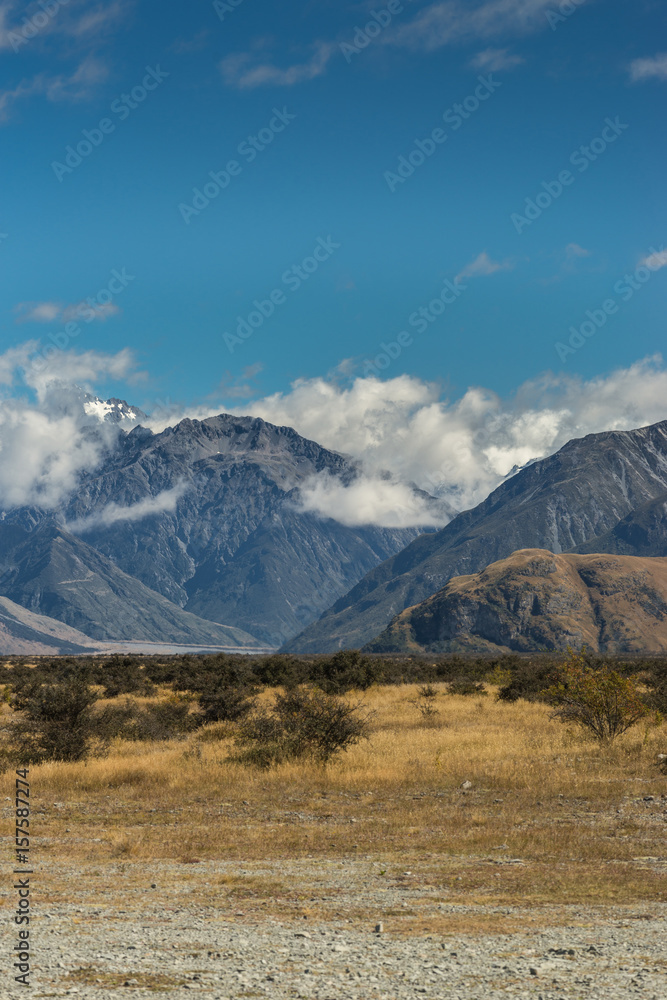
x=526 y=676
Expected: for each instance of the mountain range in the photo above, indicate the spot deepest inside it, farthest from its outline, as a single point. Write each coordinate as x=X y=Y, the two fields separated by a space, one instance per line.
x=192 y=535
x=198 y=535
x=604 y=492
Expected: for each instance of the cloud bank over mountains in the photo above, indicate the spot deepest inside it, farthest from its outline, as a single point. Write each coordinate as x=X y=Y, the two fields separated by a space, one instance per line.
x=400 y=431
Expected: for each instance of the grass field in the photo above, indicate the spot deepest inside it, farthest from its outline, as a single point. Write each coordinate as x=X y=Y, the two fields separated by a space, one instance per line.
x=580 y=822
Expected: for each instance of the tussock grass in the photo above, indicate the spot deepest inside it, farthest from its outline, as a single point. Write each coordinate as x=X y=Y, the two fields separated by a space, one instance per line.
x=570 y=809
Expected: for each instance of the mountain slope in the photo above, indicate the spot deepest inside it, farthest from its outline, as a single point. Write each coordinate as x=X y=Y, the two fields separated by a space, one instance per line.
x=558 y=503
x=206 y=514
x=643 y=532
x=23 y=633
x=50 y=572
x=535 y=600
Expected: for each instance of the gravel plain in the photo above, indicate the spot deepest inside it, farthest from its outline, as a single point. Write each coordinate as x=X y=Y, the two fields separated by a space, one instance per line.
x=155 y=930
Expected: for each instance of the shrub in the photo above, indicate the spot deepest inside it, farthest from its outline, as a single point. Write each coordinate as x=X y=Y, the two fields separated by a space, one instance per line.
x=124 y=675
x=303 y=724
x=599 y=700
x=164 y=720
x=531 y=680
x=348 y=670
x=55 y=723
x=225 y=703
x=425 y=702
x=464 y=685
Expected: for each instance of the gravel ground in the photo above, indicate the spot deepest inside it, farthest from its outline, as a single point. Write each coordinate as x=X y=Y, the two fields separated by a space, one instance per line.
x=139 y=936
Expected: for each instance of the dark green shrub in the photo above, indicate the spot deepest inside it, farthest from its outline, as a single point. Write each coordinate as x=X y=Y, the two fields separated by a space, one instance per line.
x=464 y=685
x=164 y=720
x=348 y=670
x=55 y=722
x=226 y=703
x=303 y=724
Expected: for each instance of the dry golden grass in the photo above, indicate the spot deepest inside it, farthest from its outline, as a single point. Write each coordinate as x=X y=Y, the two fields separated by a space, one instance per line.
x=540 y=793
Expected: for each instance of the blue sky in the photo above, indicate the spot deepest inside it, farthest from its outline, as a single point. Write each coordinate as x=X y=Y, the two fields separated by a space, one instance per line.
x=181 y=90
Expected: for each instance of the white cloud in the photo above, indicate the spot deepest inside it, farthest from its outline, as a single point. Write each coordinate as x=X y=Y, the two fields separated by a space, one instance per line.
x=65 y=20
x=495 y=60
x=113 y=513
x=483 y=265
x=654 y=68
x=44 y=446
x=238 y=69
x=50 y=312
x=368 y=500
x=574 y=250
x=655 y=261
x=77 y=86
x=453 y=21
x=462 y=449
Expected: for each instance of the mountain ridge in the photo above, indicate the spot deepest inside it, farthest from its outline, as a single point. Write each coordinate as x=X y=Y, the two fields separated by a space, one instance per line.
x=557 y=503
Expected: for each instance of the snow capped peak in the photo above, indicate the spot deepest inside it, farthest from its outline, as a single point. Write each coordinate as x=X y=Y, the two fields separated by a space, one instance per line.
x=113 y=410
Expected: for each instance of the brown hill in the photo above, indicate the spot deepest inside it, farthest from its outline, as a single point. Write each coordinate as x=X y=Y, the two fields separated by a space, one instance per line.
x=535 y=600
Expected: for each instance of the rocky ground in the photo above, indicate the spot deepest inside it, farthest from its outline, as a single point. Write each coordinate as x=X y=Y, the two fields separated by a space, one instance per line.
x=137 y=929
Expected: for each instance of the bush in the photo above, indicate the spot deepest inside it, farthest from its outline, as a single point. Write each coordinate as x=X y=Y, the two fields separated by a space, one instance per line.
x=226 y=703
x=164 y=720
x=425 y=702
x=303 y=724
x=599 y=700
x=464 y=685
x=55 y=723
x=348 y=670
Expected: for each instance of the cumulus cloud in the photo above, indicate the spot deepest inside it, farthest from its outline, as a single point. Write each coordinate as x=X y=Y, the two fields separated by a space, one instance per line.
x=241 y=70
x=483 y=265
x=655 y=261
x=495 y=60
x=368 y=500
x=148 y=507
x=653 y=68
x=461 y=449
x=47 y=443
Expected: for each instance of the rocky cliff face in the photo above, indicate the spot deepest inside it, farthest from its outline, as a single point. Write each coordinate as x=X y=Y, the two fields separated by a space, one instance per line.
x=535 y=601
x=559 y=503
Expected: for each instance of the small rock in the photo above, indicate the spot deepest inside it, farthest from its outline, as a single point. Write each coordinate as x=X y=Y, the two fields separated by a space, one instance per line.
x=466 y=785
x=303 y=934
x=379 y=928
x=153 y=885
x=533 y=971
